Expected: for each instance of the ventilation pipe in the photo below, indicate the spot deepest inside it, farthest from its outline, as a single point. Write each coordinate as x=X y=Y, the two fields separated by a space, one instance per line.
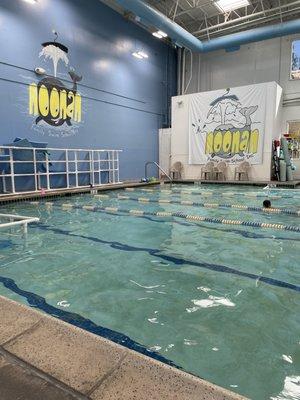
x=154 y=18
x=252 y=35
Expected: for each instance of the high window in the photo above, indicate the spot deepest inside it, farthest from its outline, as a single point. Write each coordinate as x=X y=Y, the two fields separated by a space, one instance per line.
x=295 y=60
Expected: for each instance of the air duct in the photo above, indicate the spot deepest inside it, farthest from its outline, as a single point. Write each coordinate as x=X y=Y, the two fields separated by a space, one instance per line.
x=154 y=18
x=252 y=35
x=159 y=21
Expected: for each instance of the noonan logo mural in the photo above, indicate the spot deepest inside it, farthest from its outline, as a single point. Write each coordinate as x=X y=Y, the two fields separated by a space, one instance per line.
x=227 y=127
x=50 y=100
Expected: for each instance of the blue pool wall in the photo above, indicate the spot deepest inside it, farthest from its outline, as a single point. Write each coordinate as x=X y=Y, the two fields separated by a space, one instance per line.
x=124 y=100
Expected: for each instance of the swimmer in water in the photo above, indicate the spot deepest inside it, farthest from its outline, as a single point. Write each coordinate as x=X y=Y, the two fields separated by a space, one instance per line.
x=267 y=204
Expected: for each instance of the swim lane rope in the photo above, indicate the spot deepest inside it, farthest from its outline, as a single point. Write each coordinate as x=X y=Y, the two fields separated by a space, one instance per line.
x=166 y=214
x=239 y=207
x=219 y=194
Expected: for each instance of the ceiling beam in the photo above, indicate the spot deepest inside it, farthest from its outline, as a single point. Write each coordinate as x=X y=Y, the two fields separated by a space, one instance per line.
x=248 y=24
x=250 y=16
x=175 y=4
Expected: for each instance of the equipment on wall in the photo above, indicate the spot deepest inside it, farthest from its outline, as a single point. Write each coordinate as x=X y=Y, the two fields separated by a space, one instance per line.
x=282 y=163
x=287 y=158
x=282 y=167
x=276 y=165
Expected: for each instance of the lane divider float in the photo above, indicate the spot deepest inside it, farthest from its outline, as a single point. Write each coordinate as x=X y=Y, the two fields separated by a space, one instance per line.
x=211 y=193
x=253 y=224
x=239 y=207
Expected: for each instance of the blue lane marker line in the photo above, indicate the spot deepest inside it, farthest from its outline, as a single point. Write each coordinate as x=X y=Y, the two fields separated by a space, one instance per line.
x=239 y=207
x=5 y=243
x=78 y=320
x=175 y=260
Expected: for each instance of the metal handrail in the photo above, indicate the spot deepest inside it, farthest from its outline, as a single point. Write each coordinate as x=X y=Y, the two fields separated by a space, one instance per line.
x=72 y=163
x=159 y=167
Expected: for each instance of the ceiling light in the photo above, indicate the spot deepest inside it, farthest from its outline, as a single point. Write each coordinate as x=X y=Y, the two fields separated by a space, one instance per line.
x=163 y=34
x=144 y=55
x=140 y=54
x=230 y=5
x=160 y=34
x=31 y=1
x=156 y=34
x=137 y=55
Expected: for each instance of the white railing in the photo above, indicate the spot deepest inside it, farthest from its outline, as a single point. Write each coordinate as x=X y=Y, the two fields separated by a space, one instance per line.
x=15 y=220
x=27 y=169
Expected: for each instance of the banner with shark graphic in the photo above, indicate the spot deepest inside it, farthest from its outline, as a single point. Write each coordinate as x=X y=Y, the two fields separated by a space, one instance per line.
x=227 y=125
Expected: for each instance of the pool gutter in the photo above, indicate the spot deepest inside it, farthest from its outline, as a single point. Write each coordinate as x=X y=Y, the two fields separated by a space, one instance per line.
x=40 y=353
x=48 y=194
x=21 y=196
x=289 y=184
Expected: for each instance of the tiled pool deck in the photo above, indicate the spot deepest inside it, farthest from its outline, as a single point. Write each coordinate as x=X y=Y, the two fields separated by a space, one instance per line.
x=42 y=357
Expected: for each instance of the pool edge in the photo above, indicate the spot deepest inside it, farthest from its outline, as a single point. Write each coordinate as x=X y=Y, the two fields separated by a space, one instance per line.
x=93 y=366
x=295 y=184
x=23 y=196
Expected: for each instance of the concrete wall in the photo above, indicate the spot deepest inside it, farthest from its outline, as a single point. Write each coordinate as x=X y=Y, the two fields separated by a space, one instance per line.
x=253 y=63
x=124 y=100
x=180 y=136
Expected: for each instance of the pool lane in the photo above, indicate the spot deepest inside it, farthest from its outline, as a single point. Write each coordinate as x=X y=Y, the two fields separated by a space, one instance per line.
x=219 y=193
x=166 y=214
x=240 y=207
x=179 y=261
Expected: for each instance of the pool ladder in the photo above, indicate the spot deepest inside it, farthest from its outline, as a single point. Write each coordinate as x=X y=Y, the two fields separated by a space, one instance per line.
x=159 y=167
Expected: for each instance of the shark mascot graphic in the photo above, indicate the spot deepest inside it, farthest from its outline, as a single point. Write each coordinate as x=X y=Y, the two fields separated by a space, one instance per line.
x=228 y=128
x=50 y=100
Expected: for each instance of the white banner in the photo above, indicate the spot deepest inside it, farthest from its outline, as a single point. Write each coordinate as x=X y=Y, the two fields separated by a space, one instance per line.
x=227 y=125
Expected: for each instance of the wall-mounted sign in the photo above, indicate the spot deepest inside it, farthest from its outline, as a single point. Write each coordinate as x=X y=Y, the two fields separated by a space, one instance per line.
x=50 y=100
x=227 y=125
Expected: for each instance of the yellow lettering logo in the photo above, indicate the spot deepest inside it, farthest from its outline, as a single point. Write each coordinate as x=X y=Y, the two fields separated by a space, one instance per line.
x=54 y=105
x=232 y=142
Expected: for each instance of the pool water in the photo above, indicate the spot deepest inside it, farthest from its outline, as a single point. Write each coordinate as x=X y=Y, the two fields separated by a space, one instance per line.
x=219 y=301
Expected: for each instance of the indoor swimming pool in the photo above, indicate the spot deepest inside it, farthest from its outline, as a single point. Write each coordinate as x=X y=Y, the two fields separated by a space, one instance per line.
x=199 y=277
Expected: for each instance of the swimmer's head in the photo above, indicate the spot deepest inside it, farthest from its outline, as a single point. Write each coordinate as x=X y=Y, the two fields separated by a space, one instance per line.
x=267 y=204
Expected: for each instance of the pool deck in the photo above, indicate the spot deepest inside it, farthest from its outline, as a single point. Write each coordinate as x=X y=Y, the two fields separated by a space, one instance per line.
x=42 y=357
x=20 y=196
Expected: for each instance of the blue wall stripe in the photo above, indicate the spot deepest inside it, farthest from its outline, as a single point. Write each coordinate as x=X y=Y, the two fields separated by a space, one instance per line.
x=79 y=84
x=83 y=96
